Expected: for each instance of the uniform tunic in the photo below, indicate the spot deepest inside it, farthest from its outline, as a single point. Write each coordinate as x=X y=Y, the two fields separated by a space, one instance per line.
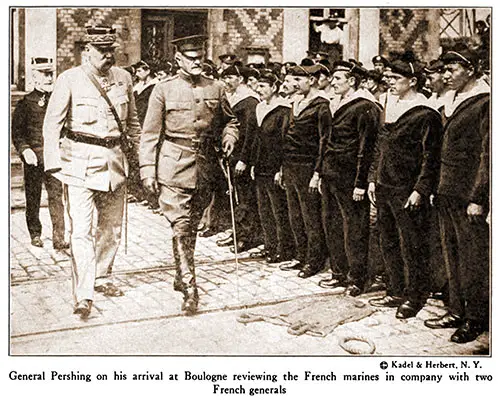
x=266 y=158
x=310 y=122
x=94 y=176
x=464 y=179
x=243 y=103
x=27 y=125
x=406 y=160
x=345 y=160
x=192 y=110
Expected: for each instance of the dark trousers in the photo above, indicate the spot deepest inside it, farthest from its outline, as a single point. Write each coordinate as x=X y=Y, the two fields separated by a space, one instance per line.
x=346 y=225
x=304 y=211
x=466 y=255
x=273 y=211
x=439 y=278
x=246 y=213
x=404 y=244
x=34 y=176
x=376 y=265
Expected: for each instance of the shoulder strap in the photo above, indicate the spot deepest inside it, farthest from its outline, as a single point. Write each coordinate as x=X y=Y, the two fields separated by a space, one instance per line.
x=92 y=79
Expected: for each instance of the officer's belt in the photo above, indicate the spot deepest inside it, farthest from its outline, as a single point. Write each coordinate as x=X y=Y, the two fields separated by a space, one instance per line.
x=84 y=138
x=194 y=142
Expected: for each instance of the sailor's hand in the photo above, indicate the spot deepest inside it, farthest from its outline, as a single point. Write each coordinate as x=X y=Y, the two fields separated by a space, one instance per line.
x=30 y=157
x=358 y=194
x=414 y=202
x=151 y=185
x=314 y=183
x=240 y=168
x=371 y=194
x=475 y=213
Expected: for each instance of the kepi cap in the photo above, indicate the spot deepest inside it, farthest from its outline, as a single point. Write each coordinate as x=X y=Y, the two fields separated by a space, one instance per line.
x=42 y=64
x=100 y=36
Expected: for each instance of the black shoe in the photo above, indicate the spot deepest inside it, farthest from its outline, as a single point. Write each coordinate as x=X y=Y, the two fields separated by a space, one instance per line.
x=377 y=285
x=408 y=309
x=37 y=242
x=307 y=271
x=242 y=247
x=225 y=241
x=273 y=258
x=468 y=332
x=208 y=232
x=83 y=308
x=60 y=245
x=353 y=291
x=291 y=266
x=387 y=301
x=446 y=321
x=190 y=303
x=332 y=283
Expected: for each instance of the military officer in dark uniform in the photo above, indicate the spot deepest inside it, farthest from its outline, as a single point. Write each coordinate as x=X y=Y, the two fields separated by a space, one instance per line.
x=197 y=120
x=27 y=125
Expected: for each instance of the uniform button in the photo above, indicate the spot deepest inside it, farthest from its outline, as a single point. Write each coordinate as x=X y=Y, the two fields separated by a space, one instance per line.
x=197 y=100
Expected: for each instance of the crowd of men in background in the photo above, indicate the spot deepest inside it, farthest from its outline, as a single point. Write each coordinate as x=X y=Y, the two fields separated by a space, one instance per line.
x=380 y=174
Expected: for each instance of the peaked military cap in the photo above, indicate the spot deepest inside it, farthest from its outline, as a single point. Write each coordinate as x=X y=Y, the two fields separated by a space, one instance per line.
x=194 y=43
x=378 y=59
x=228 y=58
x=42 y=64
x=100 y=36
x=322 y=54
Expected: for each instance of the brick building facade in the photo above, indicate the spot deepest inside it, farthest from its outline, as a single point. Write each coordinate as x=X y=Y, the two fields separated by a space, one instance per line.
x=254 y=34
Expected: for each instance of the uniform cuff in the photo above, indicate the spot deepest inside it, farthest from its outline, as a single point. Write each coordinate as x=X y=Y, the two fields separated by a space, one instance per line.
x=148 y=171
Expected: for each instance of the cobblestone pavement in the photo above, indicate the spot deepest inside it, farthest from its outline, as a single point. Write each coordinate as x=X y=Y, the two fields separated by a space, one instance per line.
x=41 y=304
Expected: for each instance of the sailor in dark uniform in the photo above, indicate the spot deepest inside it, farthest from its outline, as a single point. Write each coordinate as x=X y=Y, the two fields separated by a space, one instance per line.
x=404 y=174
x=273 y=119
x=243 y=101
x=346 y=157
x=198 y=120
x=463 y=197
x=27 y=127
x=311 y=120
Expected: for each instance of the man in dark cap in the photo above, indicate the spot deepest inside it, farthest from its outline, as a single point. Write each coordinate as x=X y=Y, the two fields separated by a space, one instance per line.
x=463 y=197
x=198 y=122
x=90 y=116
x=27 y=126
x=379 y=63
x=345 y=159
x=434 y=82
x=402 y=178
x=226 y=61
x=311 y=120
x=243 y=101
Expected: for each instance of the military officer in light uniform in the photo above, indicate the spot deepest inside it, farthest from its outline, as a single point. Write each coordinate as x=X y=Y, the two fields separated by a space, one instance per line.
x=83 y=149
x=197 y=119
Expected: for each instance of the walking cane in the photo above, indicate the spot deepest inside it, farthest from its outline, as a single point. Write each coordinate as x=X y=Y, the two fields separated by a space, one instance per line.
x=126 y=218
x=231 y=203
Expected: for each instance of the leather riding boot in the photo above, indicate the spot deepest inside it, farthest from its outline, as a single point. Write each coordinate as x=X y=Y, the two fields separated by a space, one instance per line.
x=185 y=280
